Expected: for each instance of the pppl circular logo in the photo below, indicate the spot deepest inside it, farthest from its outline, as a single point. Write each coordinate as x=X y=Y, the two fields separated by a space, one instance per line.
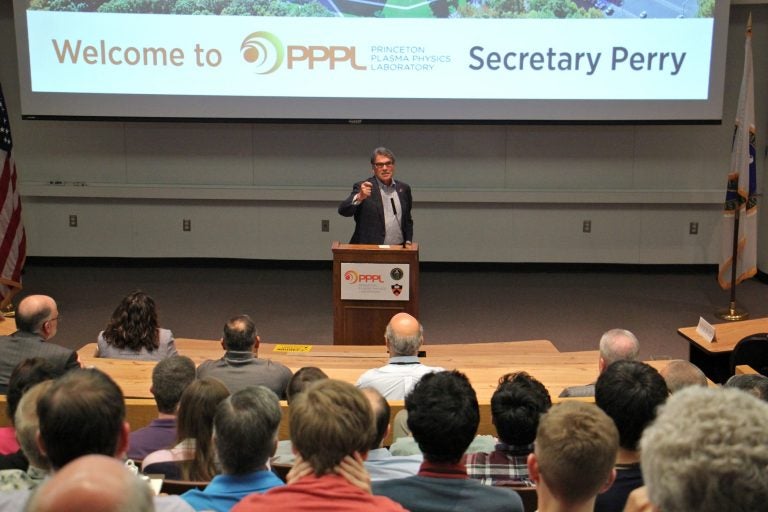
x=264 y=51
x=351 y=276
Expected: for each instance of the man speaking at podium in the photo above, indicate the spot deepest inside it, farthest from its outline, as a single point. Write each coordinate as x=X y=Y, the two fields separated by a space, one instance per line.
x=381 y=206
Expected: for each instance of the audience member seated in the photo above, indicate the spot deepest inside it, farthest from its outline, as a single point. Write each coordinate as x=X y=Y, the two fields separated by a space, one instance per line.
x=706 y=451
x=37 y=321
x=27 y=426
x=629 y=392
x=83 y=413
x=516 y=406
x=576 y=446
x=241 y=367
x=403 y=337
x=133 y=332
x=443 y=415
x=26 y=374
x=615 y=345
x=680 y=373
x=755 y=384
x=331 y=423
x=170 y=377
x=245 y=436
x=193 y=456
x=380 y=463
x=300 y=381
x=95 y=483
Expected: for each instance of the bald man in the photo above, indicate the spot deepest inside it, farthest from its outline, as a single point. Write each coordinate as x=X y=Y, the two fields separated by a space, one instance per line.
x=96 y=483
x=403 y=337
x=37 y=321
x=615 y=345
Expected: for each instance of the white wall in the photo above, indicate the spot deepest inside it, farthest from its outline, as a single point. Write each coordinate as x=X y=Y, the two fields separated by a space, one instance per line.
x=514 y=193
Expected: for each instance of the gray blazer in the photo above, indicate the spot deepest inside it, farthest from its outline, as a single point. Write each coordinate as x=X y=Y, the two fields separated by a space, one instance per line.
x=166 y=348
x=23 y=345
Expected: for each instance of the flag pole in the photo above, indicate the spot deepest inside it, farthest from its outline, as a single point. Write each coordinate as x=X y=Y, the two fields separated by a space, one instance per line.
x=733 y=313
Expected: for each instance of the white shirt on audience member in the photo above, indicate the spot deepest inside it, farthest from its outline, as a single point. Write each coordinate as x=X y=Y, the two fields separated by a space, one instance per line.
x=396 y=379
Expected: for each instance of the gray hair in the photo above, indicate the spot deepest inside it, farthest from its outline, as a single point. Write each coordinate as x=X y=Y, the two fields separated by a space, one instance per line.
x=707 y=451
x=614 y=346
x=26 y=422
x=403 y=345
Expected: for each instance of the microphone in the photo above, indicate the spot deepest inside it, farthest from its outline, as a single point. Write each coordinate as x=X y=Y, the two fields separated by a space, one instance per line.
x=392 y=200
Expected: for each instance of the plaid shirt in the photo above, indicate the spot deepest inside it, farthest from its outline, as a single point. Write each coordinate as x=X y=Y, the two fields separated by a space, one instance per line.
x=506 y=465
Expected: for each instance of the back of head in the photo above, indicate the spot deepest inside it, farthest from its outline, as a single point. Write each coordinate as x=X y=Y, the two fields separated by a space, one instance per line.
x=630 y=392
x=170 y=377
x=33 y=311
x=707 y=451
x=443 y=415
x=680 y=373
x=618 y=345
x=81 y=413
x=302 y=379
x=197 y=409
x=26 y=374
x=381 y=415
x=27 y=424
x=576 y=446
x=516 y=406
x=95 y=483
x=240 y=333
x=755 y=384
x=245 y=429
x=134 y=323
x=330 y=420
x=404 y=335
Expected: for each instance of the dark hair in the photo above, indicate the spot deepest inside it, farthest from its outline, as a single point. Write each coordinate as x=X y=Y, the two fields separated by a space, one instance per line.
x=25 y=375
x=382 y=151
x=516 y=406
x=443 y=415
x=239 y=333
x=170 y=377
x=302 y=379
x=630 y=392
x=246 y=426
x=134 y=324
x=197 y=408
x=381 y=414
x=82 y=413
x=753 y=383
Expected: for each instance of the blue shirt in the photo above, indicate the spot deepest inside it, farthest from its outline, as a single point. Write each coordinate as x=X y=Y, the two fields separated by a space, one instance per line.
x=225 y=491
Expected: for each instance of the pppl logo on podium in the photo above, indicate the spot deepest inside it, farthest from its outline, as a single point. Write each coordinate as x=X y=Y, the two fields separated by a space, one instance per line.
x=375 y=281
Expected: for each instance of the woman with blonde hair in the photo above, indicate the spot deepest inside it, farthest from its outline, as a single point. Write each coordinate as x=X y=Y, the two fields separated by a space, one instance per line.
x=193 y=457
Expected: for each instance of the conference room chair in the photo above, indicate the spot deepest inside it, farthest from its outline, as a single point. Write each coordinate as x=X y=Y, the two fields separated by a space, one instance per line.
x=753 y=351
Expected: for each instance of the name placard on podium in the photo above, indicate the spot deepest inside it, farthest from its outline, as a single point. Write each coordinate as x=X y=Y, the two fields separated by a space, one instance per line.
x=375 y=281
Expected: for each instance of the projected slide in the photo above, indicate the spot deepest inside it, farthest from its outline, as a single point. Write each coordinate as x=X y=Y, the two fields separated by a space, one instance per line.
x=478 y=51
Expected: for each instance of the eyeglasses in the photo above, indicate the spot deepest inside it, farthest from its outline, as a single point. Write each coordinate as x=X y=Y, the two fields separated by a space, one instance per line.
x=381 y=165
x=54 y=318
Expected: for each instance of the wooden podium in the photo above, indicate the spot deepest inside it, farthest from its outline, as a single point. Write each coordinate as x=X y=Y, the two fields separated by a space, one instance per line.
x=372 y=276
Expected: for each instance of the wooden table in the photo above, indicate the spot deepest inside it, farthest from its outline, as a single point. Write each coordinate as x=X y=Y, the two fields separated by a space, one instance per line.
x=7 y=326
x=483 y=363
x=714 y=358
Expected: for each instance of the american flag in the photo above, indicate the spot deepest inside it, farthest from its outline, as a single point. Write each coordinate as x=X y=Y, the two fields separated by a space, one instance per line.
x=13 y=245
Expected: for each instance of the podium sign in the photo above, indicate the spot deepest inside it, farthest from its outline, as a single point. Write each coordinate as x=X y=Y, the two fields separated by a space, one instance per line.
x=375 y=281
x=371 y=284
